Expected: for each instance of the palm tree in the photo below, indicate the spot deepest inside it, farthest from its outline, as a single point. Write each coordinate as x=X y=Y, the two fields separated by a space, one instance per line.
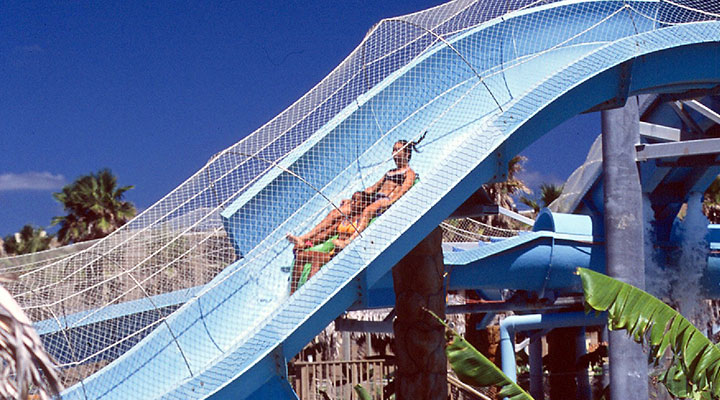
x=531 y=203
x=95 y=207
x=28 y=240
x=418 y=284
x=549 y=192
x=501 y=193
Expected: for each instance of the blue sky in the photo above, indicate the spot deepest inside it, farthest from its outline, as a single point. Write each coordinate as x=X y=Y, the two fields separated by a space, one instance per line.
x=152 y=89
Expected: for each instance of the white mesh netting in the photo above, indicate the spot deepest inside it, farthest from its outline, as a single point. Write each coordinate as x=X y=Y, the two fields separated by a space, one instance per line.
x=471 y=230
x=221 y=235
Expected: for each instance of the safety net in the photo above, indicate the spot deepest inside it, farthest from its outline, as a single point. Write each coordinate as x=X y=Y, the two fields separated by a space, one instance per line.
x=313 y=196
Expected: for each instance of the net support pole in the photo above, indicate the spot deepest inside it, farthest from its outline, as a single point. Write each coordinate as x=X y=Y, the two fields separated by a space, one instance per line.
x=624 y=240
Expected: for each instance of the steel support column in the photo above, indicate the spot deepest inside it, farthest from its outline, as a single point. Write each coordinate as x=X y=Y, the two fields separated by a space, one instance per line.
x=624 y=240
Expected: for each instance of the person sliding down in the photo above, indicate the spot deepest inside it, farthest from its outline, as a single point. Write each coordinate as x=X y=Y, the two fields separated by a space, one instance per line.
x=393 y=185
x=315 y=247
x=327 y=227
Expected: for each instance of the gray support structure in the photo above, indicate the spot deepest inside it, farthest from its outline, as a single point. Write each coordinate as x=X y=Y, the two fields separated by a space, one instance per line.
x=624 y=240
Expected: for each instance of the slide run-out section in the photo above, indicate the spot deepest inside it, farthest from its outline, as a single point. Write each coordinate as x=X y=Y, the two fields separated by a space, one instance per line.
x=482 y=93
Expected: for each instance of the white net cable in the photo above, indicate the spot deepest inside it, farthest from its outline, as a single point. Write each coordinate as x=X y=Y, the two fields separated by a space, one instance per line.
x=471 y=230
x=339 y=160
x=28 y=262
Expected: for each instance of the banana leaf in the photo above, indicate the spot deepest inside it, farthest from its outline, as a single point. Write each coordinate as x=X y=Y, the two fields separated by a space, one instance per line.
x=695 y=369
x=362 y=393
x=475 y=369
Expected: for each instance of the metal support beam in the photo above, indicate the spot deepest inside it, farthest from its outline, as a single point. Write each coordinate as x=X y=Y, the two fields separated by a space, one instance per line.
x=517 y=323
x=677 y=149
x=624 y=240
x=474 y=210
x=659 y=132
x=563 y=304
x=704 y=110
x=516 y=216
x=685 y=117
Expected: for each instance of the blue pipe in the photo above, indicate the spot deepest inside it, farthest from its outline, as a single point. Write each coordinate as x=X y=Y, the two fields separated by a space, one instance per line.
x=516 y=323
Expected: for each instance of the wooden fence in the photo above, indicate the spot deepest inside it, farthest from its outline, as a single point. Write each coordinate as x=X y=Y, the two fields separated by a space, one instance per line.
x=336 y=379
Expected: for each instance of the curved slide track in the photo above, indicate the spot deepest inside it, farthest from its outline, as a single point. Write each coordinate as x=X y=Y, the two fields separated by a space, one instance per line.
x=484 y=83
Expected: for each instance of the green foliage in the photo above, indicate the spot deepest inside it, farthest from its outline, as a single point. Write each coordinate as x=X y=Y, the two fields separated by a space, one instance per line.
x=695 y=368
x=549 y=192
x=711 y=201
x=475 y=369
x=362 y=393
x=95 y=207
x=28 y=240
x=501 y=193
x=531 y=203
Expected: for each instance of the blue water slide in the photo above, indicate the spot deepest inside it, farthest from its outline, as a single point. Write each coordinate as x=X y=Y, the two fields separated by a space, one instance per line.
x=233 y=337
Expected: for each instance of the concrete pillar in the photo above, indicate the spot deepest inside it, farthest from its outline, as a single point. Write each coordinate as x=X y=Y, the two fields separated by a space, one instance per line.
x=624 y=240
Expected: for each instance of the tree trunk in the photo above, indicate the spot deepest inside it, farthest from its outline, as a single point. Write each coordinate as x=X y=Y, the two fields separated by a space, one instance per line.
x=419 y=339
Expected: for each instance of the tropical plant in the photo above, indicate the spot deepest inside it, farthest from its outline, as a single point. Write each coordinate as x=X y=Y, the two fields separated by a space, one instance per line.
x=531 y=203
x=548 y=193
x=362 y=393
x=474 y=369
x=694 y=371
x=24 y=361
x=711 y=202
x=29 y=240
x=95 y=207
x=501 y=193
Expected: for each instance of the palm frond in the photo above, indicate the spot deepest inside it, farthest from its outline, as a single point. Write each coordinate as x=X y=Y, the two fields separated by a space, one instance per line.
x=25 y=362
x=695 y=359
x=475 y=369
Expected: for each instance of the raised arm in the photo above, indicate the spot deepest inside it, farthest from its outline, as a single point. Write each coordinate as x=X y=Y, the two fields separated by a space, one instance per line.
x=375 y=187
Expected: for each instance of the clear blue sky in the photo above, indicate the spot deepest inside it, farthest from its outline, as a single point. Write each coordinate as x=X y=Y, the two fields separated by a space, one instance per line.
x=152 y=89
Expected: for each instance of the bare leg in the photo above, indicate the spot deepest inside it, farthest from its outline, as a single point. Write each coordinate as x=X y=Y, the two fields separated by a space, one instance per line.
x=296 y=274
x=316 y=258
x=365 y=218
x=322 y=230
x=319 y=262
